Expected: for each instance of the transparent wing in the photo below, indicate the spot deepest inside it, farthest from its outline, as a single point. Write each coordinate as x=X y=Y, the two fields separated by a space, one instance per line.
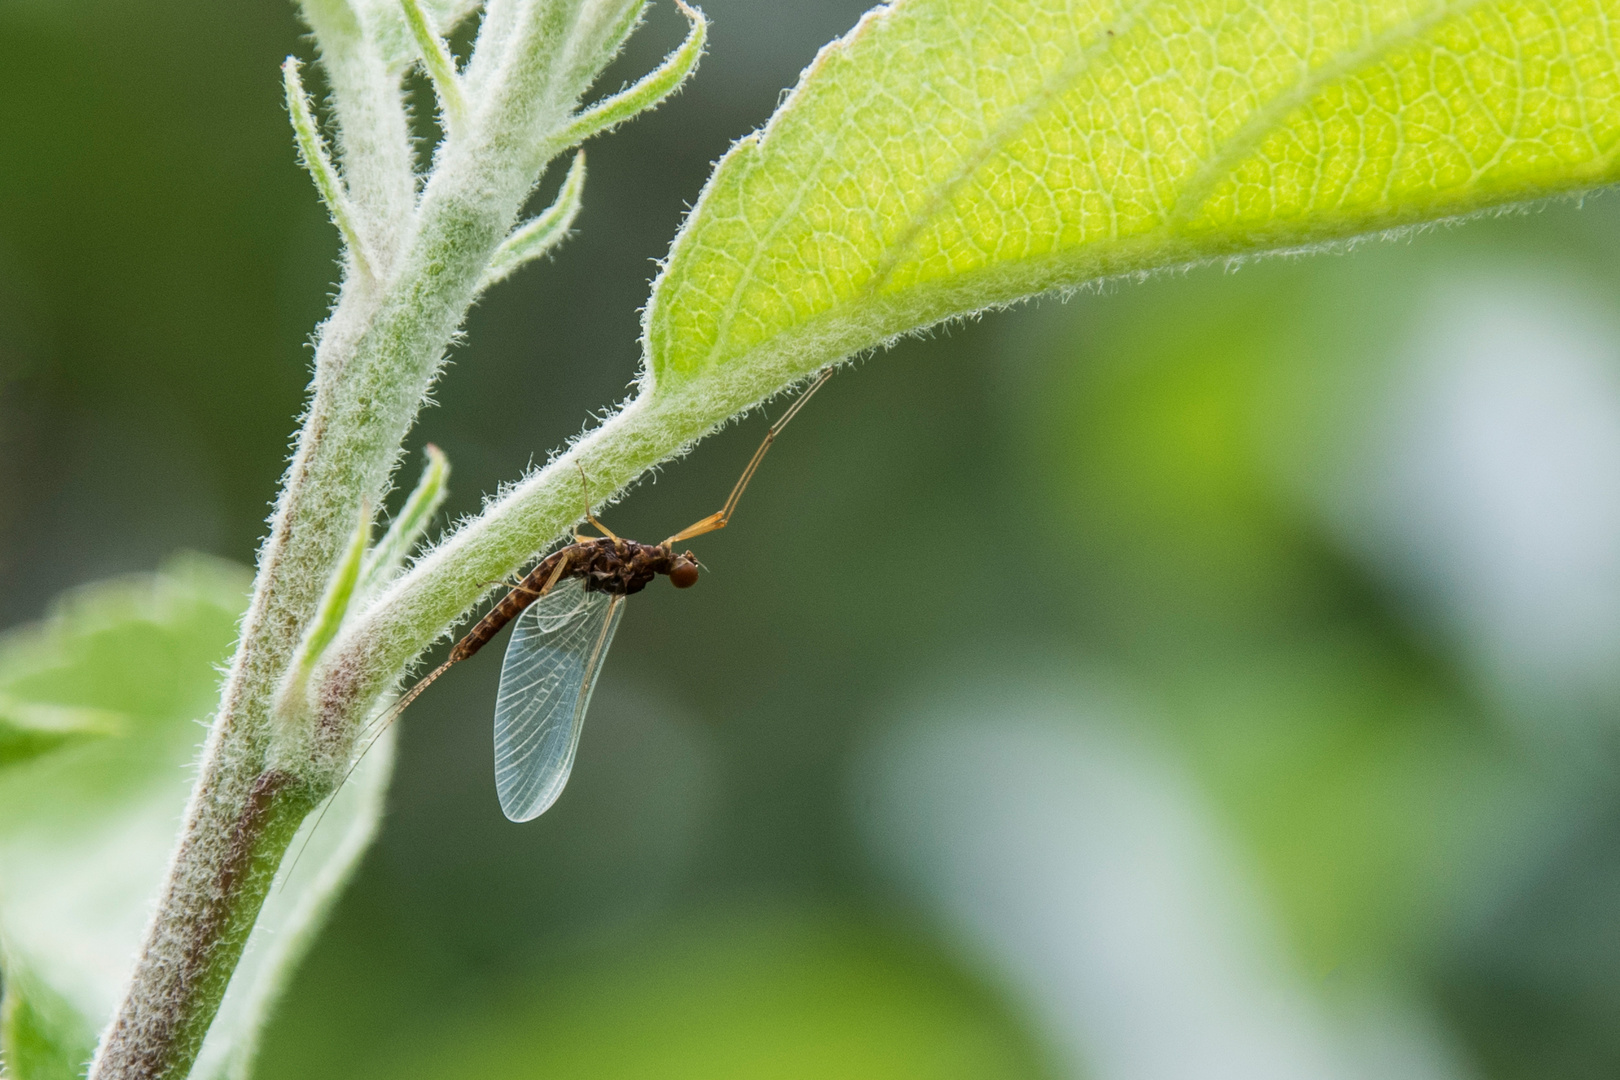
x=551 y=666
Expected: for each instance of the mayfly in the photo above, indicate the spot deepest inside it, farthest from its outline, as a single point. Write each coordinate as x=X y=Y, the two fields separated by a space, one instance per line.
x=567 y=609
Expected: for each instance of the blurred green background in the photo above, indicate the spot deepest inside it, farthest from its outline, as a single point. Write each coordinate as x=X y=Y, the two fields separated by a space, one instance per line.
x=1209 y=676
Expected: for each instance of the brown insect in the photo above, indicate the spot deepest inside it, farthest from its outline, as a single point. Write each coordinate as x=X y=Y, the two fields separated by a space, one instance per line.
x=567 y=609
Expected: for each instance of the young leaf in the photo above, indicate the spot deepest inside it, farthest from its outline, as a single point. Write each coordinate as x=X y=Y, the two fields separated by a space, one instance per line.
x=87 y=828
x=440 y=64
x=949 y=155
x=413 y=520
x=335 y=601
x=537 y=236
x=292 y=705
x=649 y=90
x=312 y=152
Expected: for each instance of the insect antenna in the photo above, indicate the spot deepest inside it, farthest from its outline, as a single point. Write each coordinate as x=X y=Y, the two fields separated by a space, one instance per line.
x=388 y=715
x=392 y=713
x=381 y=723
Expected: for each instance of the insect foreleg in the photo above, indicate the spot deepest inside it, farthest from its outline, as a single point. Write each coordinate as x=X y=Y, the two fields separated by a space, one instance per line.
x=722 y=517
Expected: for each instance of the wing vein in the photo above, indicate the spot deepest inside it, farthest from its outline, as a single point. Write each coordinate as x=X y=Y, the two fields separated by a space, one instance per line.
x=551 y=668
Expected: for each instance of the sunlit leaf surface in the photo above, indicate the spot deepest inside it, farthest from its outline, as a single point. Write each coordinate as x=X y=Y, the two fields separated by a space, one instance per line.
x=948 y=155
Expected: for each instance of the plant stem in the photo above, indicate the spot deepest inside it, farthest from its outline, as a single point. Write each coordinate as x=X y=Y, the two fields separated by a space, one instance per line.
x=187 y=962
x=656 y=426
x=416 y=265
x=378 y=354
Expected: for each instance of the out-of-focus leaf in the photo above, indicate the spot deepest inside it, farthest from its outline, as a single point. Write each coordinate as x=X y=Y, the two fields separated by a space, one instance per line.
x=949 y=155
x=87 y=824
x=752 y=997
x=40 y=1034
x=86 y=827
x=31 y=728
x=1191 y=432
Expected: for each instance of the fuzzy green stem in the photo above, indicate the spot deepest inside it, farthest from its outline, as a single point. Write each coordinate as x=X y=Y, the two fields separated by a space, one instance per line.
x=378 y=355
x=241 y=832
x=374 y=648
x=386 y=349
x=263 y=769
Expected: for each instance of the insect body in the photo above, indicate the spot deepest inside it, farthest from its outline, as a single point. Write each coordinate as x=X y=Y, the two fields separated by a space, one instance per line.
x=567 y=609
x=570 y=606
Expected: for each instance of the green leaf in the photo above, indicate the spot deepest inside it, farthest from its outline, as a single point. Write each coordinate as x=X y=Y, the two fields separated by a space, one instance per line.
x=30 y=728
x=535 y=238
x=951 y=155
x=40 y=1034
x=87 y=825
x=413 y=520
x=86 y=828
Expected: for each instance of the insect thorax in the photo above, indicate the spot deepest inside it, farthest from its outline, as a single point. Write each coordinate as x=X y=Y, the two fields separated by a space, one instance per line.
x=619 y=566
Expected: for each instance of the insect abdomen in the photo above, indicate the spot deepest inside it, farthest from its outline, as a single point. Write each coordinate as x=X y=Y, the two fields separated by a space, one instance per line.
x=511 y=606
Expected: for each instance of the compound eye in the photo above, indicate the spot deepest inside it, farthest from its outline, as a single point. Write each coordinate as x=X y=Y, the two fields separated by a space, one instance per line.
x=684 y=574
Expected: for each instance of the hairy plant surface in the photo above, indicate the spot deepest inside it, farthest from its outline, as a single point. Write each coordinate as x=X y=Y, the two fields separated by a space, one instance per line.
x=945 y=157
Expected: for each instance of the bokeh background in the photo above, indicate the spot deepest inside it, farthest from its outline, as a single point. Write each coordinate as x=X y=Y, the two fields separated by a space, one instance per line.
x=1210 y=676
